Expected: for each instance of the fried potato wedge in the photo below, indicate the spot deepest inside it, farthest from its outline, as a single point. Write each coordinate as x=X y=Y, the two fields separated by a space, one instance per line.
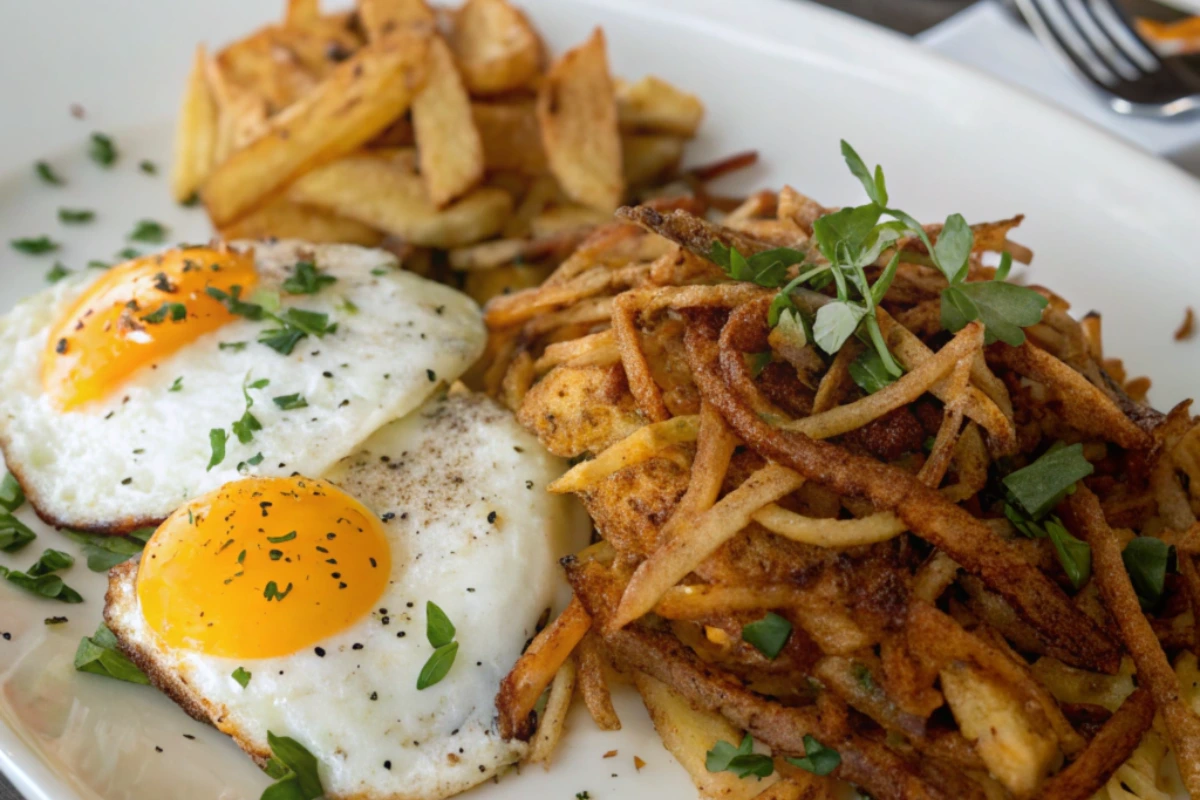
x=259 y=63
x=353 y=105
x=653 y=105
x=321 y=43
x=495 y=46
x=302 y=13
x=241 y=113
x=285 y=220
x=381 y=17
x=510 y=136
x=195 y=133
x=378 y=191
x=648 y=157
x=448 y=144
x=577 y=113
x=689 y=733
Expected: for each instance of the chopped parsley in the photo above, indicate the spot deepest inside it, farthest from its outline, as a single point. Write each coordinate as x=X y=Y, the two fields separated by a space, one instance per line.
x=742 y=761
x=818 y=759
x=105 y=552
x=98 y=654
x=307 y=279
x=75 y=216
x=241 y=676
x=294 y=770
x=14 y=534
x=176 y=311
x=234 y=346
x=129 y=253
x=292 y=325
x=11 y=495
x=1146 y=559
x=47 y=173
x=287 y=537
x=768 y=635
x=103 y=150
x=98 y=264
x=57 y=273
x=148 y=167
x=288 y=402
x=176 y=385
x=35 y=245
x=440 y=632
x=217 y=437
x=40 y=578
x=272 y=592
x=148 y=231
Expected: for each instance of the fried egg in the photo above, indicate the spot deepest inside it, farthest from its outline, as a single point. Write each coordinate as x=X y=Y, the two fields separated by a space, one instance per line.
x=318 y=590
x=120 y=390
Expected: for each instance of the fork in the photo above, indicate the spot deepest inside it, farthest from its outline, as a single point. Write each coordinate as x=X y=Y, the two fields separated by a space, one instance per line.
x=1098 y=42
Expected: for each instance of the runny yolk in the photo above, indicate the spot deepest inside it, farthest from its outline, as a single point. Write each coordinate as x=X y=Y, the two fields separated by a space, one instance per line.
x=137 y=314
x=262 y=567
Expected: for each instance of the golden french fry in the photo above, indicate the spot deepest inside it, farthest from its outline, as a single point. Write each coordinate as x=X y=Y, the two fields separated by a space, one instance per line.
x=285 y=220
x=653 y=105
x=195 y=133
x=510 y=135
x=381 y=17
x=320 y=44
x=260 y=65
x=577 y=114
x=648 y=157
x=541 y=193
x=495 y=46
x=689 y=733
x=483 y=285
x=448 y=145
x=359 y=99
x=554 y=715
x=302 y=13
x=386 y=195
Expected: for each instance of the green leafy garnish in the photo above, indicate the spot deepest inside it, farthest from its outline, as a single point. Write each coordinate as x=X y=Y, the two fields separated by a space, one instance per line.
x=149 y=231
x=818 y=759
x=869 y=372
x=307 y=279
x=47 y=173
x=176 y=311
x=104 y=552
x=232 y=300
x=1146 y=561
x=768 y=635
x=438 y=627
x=57 y=273
x=271 y=592
x=148 y=167
x=1039 y=487
x=129 y=253
x=440 y=631
x=217 y=437
x=234 y=346
x=241 y=676
x=287 y=537
x=75 y=216
x=40 y=578
x=289 y=402
x=758 y=362
x=176 y=385
x=102 y=150
x=767 y=269
x=35 y=245
x=742 y=761
x=98 y=654
x=14 y=534
x=96 y=263
x=294 y=770
x=1074 y=554
x=294 y=325
x=11 y=495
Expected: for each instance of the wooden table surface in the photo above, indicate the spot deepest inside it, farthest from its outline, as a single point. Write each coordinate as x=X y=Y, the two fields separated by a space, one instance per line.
x=906 y=16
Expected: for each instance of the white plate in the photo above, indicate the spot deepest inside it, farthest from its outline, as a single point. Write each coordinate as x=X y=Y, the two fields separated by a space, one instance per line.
x=1114 y=230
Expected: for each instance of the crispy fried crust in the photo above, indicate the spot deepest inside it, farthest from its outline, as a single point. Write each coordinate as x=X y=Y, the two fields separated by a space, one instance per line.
x=692 y=232
x=1109 y=749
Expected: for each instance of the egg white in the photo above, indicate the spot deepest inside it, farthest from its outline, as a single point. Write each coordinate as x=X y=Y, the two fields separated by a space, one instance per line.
x=443 y=471
x=134 y=456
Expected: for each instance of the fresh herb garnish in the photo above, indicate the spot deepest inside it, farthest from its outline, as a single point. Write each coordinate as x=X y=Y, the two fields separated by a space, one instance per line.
x=102 y=150
x=47 y=173
x=758 y=362
x=105 y=552
x=272 y=592
x=818 y=759
x=147 y=166
x=98 y=654
x=234 y=346
x=217 y=437
x=177 y=312
x=1074 y=555
x=287 y=537
x=1146 y=560
x=241 y=676
x=14 y=534
x=148 y=231
x=440 y=631
x=35 y=245
x=176 y=385
x=11 y=495
x=252 y=461
x=307 y=279
x=294 y=770
x=289 y=402
x=869 y=372
x=768 y=635
x=129 y=253
x=294 y=325
x=232 y=300
x=40 y=578
x=57 y=273
x=742 y=761
x=75 y=216
x=96 y=263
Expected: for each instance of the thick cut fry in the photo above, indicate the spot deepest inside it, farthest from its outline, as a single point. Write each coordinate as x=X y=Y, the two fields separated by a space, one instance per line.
x=448 y=145
x=648 y=158
x=360 y=98
x=195 y=133
x=648 y=442
x=688 y=734
x=510 y=136
x=260 y=64
x=381 y=17
x=651 y=104
x=549 y=650
x=496 y=48
x=679 y=556
x=302 y=13
x=593 y=685
x=284 y=220
x=554 y=716
x=577 y=114
x=1110 y=748
x=1153 y=670
x=381 y=193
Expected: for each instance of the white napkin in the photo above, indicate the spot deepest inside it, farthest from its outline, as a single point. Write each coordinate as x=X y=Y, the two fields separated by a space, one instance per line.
x=988 y=37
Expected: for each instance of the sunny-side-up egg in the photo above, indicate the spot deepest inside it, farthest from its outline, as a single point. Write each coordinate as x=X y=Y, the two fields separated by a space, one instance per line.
x=318 y=589
x=125 y=392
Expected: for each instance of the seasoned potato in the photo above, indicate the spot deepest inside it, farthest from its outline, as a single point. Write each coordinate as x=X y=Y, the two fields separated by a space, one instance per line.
x=381 y=17
x=653 y=105
x=495 y=46
x=448 y=145
x=285 y=220
x=511 y=140
x=195 y=133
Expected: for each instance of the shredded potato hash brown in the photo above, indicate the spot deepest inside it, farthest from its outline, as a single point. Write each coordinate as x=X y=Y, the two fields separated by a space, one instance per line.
x=738 y=475
x=427 y=129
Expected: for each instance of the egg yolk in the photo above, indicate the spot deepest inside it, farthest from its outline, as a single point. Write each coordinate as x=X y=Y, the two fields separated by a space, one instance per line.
x=136 y=314
x=262 y=567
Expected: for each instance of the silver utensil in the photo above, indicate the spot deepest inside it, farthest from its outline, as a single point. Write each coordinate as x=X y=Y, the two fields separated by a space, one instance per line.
x=1098 y=42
